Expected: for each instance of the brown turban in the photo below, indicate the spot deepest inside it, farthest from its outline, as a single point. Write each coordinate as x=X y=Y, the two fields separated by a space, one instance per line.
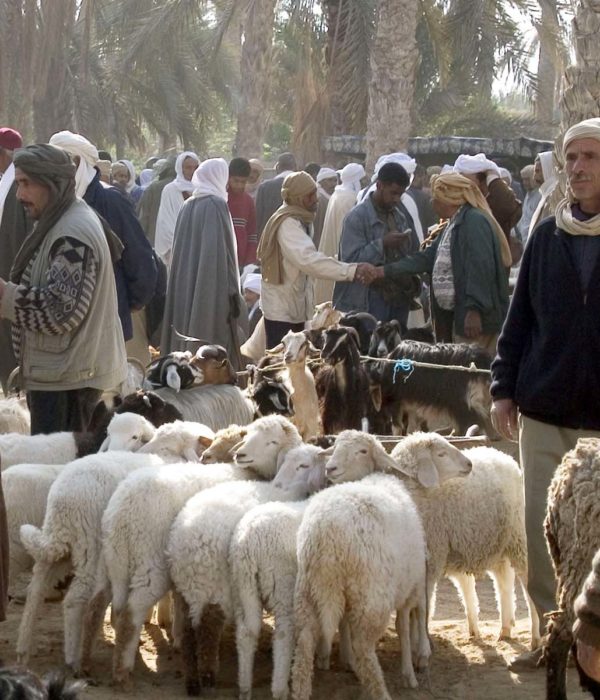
x=457 y=190
x=296 y=186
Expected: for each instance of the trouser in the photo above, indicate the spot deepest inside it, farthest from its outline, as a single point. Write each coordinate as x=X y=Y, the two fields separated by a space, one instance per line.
x=138 y=345
x=443 y=324
x=541 y=448
x=53 y=411
x=275 y=330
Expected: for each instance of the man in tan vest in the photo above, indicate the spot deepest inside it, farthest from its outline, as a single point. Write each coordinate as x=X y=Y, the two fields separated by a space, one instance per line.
x=61 y=296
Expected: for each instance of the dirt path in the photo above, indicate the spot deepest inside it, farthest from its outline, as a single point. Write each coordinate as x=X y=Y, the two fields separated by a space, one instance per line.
x=460 y=669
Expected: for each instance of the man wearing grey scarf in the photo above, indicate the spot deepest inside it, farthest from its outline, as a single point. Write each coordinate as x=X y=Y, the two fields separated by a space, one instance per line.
x=61 y=296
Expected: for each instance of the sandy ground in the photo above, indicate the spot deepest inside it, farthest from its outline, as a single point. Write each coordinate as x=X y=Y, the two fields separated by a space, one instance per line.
x=460 y=669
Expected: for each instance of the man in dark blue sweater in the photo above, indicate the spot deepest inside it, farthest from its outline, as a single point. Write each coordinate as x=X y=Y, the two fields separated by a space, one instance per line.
x=546 y=375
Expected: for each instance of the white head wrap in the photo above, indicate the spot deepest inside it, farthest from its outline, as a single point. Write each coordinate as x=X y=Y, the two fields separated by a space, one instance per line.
x=252 y=282
x=181 y=183
x=548 y=171
x=470 y=165
x=211 y=177
x=146 y=177
x=326 y=174
x=587 y=129
x=446 y=169
x=505 y=175
x=77 y=145
x=131 y=169
x=351 y=175
x=409 y=164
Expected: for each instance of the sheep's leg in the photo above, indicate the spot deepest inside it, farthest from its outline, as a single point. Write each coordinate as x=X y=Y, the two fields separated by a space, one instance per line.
x=409 y=679
x=178 y=620
x=556 y=653
x=74 y=606
x=503 y=576
x=247 y=631
x=283 y=641
x=92 y=624
x=35 y=595
x=366 y=630
x=329 y=618
x=189 y=651
x=536 y=637
x=465 y=584
x=163 y=616
x=423 y=648
x=212 y=624
x=307 y=632
x=346 y=652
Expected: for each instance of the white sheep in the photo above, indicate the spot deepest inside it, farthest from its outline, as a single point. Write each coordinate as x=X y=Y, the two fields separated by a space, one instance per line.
x=304 y=393
x=14 y=416
x=127 y=432
x=361 y=555
x=134 y=549
x=198 y=552
x=221 y=449
x=472 y=525
x=56 y=448
x=72 y=528
x=268 y=438
x=262 y=556
x=185 y=440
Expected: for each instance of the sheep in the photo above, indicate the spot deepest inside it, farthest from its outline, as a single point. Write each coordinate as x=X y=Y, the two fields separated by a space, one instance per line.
x=127 y=432
x=262 y=557
x=14 y=416
x=572 y=529
x=71 y=529
x=221 y=449
x=304 y=394
x=352 y=563
x=72 y=525
x=472 y=525
x=343 y=385
x=134 y=551
x=267 y=439
x=216 y=406
x=63 y=447
x=436 y=397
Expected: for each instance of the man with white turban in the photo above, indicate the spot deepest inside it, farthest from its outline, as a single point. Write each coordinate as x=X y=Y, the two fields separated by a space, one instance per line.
x=503 y=202
x=136 y=272
x=203 y=296
x=546 y=375
x=251 y=288
x=531 y=201
x=171 y=200
x=546 y=178
x=289 y=261
x=327 y=180
x=342 y=201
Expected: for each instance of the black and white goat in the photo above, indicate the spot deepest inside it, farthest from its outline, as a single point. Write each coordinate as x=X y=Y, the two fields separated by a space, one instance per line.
x=342 y=384
x=388 y=334
x=269 y=393
x=429 y=398
x=174 y=370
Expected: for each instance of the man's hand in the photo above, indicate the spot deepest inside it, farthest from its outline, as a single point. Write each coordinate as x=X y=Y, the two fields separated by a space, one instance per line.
x=472 y=324
x=393 y=240
x=504 y=418
x=365 y=273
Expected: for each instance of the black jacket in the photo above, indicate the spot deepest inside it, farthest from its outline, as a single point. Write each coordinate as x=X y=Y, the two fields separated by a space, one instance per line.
x=548 y=357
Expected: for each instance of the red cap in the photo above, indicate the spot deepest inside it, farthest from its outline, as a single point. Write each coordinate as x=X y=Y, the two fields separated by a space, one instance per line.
x=10 y=139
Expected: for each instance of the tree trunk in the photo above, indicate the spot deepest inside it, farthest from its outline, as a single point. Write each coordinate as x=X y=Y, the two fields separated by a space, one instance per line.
x=257 y=56
x=394 y=59
x=546 y=73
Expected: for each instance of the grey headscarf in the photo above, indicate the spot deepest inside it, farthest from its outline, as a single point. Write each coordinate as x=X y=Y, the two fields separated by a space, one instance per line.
x=51 y=167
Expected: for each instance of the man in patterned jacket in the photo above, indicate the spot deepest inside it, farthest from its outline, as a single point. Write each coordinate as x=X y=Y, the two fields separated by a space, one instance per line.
x=61 y=296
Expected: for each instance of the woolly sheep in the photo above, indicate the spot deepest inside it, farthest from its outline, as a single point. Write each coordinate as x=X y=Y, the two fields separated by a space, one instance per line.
x=14 y=416
x=56 y=448
x=267 y=439
x=127 y=432
x=472 y=525
x=198 y=552
x=134 y=549
x=185 y=440
x=352 y=563
x=572 y=528
x=221 y=449
x=262 y=556
x=71 y=528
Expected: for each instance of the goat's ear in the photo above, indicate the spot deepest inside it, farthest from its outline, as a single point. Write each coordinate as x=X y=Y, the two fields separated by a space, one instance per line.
x=395 y=323
x=274 y=351
x=353 y=333
x=376 y=396
x=427 y=474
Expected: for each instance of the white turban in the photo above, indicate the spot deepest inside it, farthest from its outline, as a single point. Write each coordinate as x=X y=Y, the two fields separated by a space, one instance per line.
x=146 y=177
x=211 y=177
x=326 y=174
x=252 y=282
x=587 y=129
x=181 y=183
x=351 y=175
x=505 y=174
x=131 y=170
x=409 y=164
x=77 y=145
x=470 y=165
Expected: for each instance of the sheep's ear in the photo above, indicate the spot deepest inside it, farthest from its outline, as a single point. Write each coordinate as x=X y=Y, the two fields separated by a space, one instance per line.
x=205 y=442
x=104 y=445
x=190 y=454
x=427 y=474
x=326 y=451
x=383 y=461
x=274 y=351
x=236 y=447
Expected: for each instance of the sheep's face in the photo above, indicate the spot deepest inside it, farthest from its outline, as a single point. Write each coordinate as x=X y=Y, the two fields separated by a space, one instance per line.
x=127 y=431
x=264 y=444
x=221 y=449
x=356 y=454
x=449 y=461
x=180 y=441
x=302 y=471
x=432 y=458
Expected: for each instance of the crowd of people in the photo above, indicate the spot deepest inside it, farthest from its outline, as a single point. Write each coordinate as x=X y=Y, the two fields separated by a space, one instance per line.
x=97 y=262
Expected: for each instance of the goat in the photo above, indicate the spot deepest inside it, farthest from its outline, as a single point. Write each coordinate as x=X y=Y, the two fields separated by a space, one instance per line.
x=364 y=324
x=213 y=365
x=174 y=370
x=387 y=335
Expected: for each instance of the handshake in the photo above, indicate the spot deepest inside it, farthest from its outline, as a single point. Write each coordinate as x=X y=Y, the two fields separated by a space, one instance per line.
x=367 y=273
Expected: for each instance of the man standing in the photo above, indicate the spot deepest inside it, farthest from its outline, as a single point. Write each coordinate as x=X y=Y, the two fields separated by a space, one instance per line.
x=243 y=211
x=61 y=297
x=268 y=196
x=545 y=378
x=150 y=201
x=379 y=230
x=327 y=181
x=13 y=231
x=530 y=202
x=290 y=260
x=203 y=296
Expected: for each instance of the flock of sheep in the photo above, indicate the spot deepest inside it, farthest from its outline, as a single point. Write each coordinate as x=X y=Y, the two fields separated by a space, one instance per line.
x=215 y=528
